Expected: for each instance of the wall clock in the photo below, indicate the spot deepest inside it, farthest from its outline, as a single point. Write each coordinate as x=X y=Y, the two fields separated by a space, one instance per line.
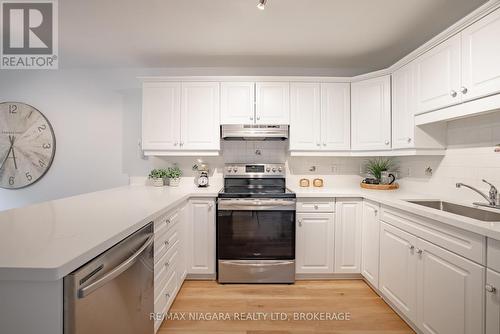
x=27 y=145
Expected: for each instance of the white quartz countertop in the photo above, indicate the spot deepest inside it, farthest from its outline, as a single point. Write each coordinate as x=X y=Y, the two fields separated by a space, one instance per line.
x=49 y=240
x=398 y=199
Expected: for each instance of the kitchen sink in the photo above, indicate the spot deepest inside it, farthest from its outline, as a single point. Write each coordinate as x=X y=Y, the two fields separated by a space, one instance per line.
x=461 y=210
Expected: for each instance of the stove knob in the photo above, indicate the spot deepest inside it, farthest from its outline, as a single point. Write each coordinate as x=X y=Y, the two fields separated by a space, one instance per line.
x=229 y=170
x=274 y=170
x=235 y=169
x=280 y=169
x=268 y=169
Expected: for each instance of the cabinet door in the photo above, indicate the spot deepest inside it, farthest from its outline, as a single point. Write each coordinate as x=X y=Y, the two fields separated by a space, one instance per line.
x=480 y=58
x=237 y=103
x=398 y=269
x=450 y=292
x=305 y=118
x=403 y=107
x=370 y=242
x=161 y=109
x=314 y=249
x=335 y=116
x=201 y=234
x=492 y=302
x=438 y=76
x=348 y=219
x=200 y=126
x=371 y=114
x=272 y=103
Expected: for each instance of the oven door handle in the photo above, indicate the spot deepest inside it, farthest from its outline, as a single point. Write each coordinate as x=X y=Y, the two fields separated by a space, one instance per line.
x=246 y=263
x=257 y=205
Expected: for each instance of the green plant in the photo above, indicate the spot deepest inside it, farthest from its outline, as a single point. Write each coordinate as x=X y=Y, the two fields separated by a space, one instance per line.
x=157 y=174
x=375 y=167
x=173 y=172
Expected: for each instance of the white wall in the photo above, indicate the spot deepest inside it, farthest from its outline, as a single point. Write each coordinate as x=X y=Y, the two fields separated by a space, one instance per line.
x=96 y=117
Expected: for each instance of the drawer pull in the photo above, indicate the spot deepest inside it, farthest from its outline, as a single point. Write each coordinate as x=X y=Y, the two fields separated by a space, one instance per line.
x=490 y=288
x=167 y=295
x=316 y=206
x=167 y=221
x=167 y=243
x=167 y=264
x=411 y=247
x=419 y=251
x=300 y=222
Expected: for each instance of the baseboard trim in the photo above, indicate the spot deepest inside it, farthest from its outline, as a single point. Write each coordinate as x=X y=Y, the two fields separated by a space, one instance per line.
x=201 y=277
x=308 y=277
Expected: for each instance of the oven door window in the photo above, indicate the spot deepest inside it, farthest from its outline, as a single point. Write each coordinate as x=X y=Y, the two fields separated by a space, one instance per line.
x=256 y=235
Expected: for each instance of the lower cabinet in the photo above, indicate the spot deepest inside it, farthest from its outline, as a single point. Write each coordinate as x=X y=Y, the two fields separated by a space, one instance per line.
x=370 y=242
x=439 y=291
x=201 y=232
x=348 y=219
x=169 y=263
x=492 y=302
x=314 y=247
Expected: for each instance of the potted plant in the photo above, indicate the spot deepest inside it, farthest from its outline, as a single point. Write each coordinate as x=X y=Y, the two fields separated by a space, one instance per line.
x=174 y=176
x=375 y=167
x=156 y=176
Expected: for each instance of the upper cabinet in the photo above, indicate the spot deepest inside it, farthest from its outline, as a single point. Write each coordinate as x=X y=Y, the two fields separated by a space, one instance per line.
x=371 y=114
x=180 y=118
x=480 y=58
x=161 y=114
x=237 y=103
x=320 y=116
x=272 y=103
x=200 y=116
x=255 y=103
x=438 y=76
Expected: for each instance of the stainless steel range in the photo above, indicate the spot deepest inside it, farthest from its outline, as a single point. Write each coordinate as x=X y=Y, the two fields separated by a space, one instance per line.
x=255 y=225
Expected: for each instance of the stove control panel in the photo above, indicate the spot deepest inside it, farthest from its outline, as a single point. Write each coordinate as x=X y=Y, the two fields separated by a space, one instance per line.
x=254 y=170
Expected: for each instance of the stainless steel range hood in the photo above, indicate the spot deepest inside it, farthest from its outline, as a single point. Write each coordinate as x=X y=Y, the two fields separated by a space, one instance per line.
x=254 y=132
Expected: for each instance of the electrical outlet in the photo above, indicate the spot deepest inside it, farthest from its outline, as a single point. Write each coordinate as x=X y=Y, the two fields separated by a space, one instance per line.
x=334 y=169
x=409 y=171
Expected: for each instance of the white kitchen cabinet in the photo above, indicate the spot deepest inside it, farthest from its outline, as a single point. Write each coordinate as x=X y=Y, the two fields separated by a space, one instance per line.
x=315 y=238
x=161 y=113
x=480 y=58
x=348 y=220
x=398 y=269
x=438 y=76
x=370 y=245
x=200 y=116
x=335 y=116
x=272 y=103
x=319 y=116
x=201 y=233
x=237 y=103
x=371 y=114
x=492 y=302
x=405 y=135
x=450 y=292
x=305 y=116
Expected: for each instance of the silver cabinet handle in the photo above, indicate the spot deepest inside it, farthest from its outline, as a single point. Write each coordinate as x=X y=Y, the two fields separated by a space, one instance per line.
x=167 y=243
x=409 y=140
x=167 y=264
x=453 y=93
x=115 y=272
x=300 y=222
x=490 y=288
x=318 y=144
x=167 y=221
x=387 y=142
x=251 y=118
x=419 y=251
x=176 y=143
x=258 y=118
x=316 y=207
x=375 y=212
x=464 y=90
x=324 y=144
x=181 y=143
x=411 y=247
x=167 y=295
x=210 y=206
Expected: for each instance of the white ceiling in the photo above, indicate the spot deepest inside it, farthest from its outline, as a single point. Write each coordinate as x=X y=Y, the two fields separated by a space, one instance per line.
x=353 y=35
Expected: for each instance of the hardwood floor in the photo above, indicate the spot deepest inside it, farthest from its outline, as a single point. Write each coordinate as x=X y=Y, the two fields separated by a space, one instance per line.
x=368 y=312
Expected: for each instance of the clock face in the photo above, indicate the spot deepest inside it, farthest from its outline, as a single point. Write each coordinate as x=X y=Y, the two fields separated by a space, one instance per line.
x=27 y=145
x=203 y=181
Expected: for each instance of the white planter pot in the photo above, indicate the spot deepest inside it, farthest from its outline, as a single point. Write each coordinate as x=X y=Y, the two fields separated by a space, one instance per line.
x=174 y=182
x=157 y=182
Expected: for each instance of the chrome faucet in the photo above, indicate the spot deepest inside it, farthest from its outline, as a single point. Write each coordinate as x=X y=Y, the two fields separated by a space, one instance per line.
x=493 y=200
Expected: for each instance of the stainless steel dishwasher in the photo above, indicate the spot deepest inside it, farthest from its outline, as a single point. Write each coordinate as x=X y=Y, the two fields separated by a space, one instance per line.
x=113 y=293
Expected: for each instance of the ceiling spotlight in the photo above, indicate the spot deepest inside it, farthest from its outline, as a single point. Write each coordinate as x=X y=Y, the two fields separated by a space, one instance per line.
x=262 y=4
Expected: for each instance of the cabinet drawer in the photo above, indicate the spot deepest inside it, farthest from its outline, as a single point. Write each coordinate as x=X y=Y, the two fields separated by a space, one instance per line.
x=494 y=254
x=167 y=295
x=316 y=205
x=164 y=267
x=467 y=244
x=165 y=222
x=164 y=242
